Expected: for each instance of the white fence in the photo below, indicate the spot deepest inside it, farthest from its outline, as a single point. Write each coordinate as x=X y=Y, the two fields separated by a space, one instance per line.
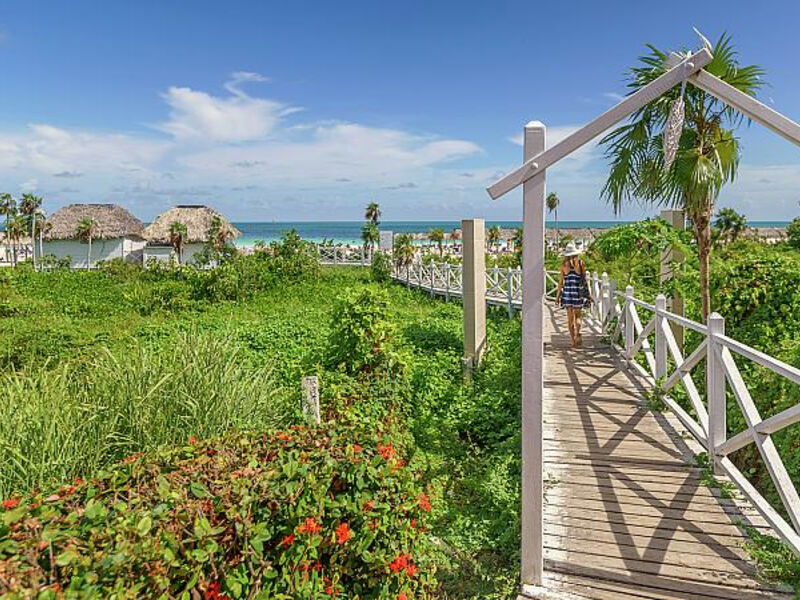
x=344 y=255
x=503 y=286
x=618 y=314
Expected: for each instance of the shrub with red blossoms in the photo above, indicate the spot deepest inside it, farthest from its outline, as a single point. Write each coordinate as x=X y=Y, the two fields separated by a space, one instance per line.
x=248 y=515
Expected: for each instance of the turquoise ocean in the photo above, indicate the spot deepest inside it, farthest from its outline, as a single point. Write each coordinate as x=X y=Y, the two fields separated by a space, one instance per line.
x=349 y=232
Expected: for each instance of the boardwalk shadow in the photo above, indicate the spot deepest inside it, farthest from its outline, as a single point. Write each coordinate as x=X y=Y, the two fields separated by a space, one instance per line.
x=626 y=486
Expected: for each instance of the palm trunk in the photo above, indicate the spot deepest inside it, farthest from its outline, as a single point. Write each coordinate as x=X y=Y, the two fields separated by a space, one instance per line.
x=557 y=231
x=702 y=226
x=33 y=241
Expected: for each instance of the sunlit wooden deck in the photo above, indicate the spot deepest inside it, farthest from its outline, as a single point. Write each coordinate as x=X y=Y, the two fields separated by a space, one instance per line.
x=627 y=515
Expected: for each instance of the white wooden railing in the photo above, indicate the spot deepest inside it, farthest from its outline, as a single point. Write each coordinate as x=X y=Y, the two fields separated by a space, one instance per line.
x=344 y=255
x=617 y=314
x=503 y=286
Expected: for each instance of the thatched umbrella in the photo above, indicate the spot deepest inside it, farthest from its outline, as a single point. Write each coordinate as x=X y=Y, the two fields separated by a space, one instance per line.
x=197 y=219
x=112 y=221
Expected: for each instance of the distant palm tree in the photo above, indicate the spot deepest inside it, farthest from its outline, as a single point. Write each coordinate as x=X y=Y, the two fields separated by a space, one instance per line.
x=370 y=234
x=373 y=213
x=8 y=208
x=436 y=235
x=404 y=250
x=177 y=238
x=728 y=226
x=552 y=206
x=86 y=231
x=493 y=235
x=16 y=229
x=44 y=227
x=707 y=155
x=517 y=240
x=29 y=207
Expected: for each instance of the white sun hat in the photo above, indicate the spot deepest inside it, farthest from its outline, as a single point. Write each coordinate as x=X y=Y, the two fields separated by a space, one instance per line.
x=571 y=250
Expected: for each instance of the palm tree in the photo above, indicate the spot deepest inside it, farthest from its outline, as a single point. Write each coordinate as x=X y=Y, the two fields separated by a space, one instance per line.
x=29 y=207
x=44 y=227
x=493 y=235
x=517 y=240
x=17 y=227
x=436 y=235
x=370 y=234
x=177 y=238
x=707 y=156
x=404 y=250
x=728 y=226
x=373 y=213
x=86 y=231
x=8 y=207
x=552 y=202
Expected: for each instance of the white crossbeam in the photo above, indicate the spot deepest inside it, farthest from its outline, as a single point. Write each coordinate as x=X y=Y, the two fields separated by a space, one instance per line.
x=747 y=105
x=608 y=119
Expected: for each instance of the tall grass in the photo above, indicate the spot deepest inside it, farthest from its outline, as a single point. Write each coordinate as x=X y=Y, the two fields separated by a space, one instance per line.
x=67 y=422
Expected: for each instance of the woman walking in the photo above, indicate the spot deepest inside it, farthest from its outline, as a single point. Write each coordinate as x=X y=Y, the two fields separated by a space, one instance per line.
x=573 y=290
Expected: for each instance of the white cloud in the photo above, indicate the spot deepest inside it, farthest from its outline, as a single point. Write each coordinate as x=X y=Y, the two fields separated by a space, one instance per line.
x=29 y=186
x=197 y=115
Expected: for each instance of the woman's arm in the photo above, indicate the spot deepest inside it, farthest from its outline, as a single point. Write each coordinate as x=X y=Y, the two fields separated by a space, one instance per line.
x=560 y=284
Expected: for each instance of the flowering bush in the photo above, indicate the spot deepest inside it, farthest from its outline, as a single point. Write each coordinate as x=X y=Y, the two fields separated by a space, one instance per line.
x=297 y=514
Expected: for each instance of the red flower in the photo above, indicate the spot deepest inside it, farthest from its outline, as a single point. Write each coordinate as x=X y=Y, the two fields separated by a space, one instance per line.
x=211 y=452
x=413 y=523
x=411 y=570
x=309 y=526
x=356 y=448
x=10 y=503
x=192 y=439
x=369 y=506
x=288 y=540
x=385 y=451
x=399 y=563
x=343 y=533
x=213 y=592
x=77 y=481
x=424 y=503
x=402 y=596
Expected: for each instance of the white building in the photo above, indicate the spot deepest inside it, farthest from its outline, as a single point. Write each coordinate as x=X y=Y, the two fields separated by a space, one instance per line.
x=118 y=234
x=201 y=223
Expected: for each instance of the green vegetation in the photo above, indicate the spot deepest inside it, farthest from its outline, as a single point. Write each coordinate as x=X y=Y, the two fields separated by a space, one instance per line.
x=104 y=364
x=298 y=514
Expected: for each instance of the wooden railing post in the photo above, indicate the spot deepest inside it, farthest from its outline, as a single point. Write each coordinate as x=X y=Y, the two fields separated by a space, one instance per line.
x=447 y=281
x=715 y=390
x=661 y=339
x=510 y=291
x=630 y=331
x=432 y=277
x=533 y=215
x=473 y=285
x=604 y=300
x=612 y=300
x=334 y=256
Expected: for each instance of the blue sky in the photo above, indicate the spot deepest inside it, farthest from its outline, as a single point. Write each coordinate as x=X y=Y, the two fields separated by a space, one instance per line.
x=308 y=110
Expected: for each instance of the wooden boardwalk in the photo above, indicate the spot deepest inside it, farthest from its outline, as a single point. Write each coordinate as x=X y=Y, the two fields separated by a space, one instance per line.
x=626 y=514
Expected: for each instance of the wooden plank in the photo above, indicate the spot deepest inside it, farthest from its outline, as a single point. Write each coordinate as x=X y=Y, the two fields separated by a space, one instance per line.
x=540 y=161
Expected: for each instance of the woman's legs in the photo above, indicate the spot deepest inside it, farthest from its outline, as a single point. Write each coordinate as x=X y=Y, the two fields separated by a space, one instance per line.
x=571 y=324
x=577 y=312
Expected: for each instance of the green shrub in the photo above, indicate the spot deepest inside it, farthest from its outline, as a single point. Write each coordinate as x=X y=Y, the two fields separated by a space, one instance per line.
x=300 y=514
x=381 y=267
x=362 y=338
x=793 y=233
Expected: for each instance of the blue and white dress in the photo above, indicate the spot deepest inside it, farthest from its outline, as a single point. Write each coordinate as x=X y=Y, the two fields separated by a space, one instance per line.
x=572 y=289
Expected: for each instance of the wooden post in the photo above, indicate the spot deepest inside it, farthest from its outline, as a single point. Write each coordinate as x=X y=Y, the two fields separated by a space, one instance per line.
x=533 y=192
x=661 y=339
x=447 y=281
x=510 y=291
x=668 y=257
x=474 y=290
x=612 y=300
x=311 y=399
x=630 y=332
x=603 y=301
x=715 y=390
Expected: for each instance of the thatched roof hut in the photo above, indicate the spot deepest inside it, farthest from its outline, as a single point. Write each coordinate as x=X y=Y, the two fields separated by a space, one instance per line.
x=112 y=220
x=196 y=218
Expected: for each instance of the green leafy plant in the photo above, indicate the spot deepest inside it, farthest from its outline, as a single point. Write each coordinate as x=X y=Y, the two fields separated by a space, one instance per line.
x=290 y=514
x=381 y=267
